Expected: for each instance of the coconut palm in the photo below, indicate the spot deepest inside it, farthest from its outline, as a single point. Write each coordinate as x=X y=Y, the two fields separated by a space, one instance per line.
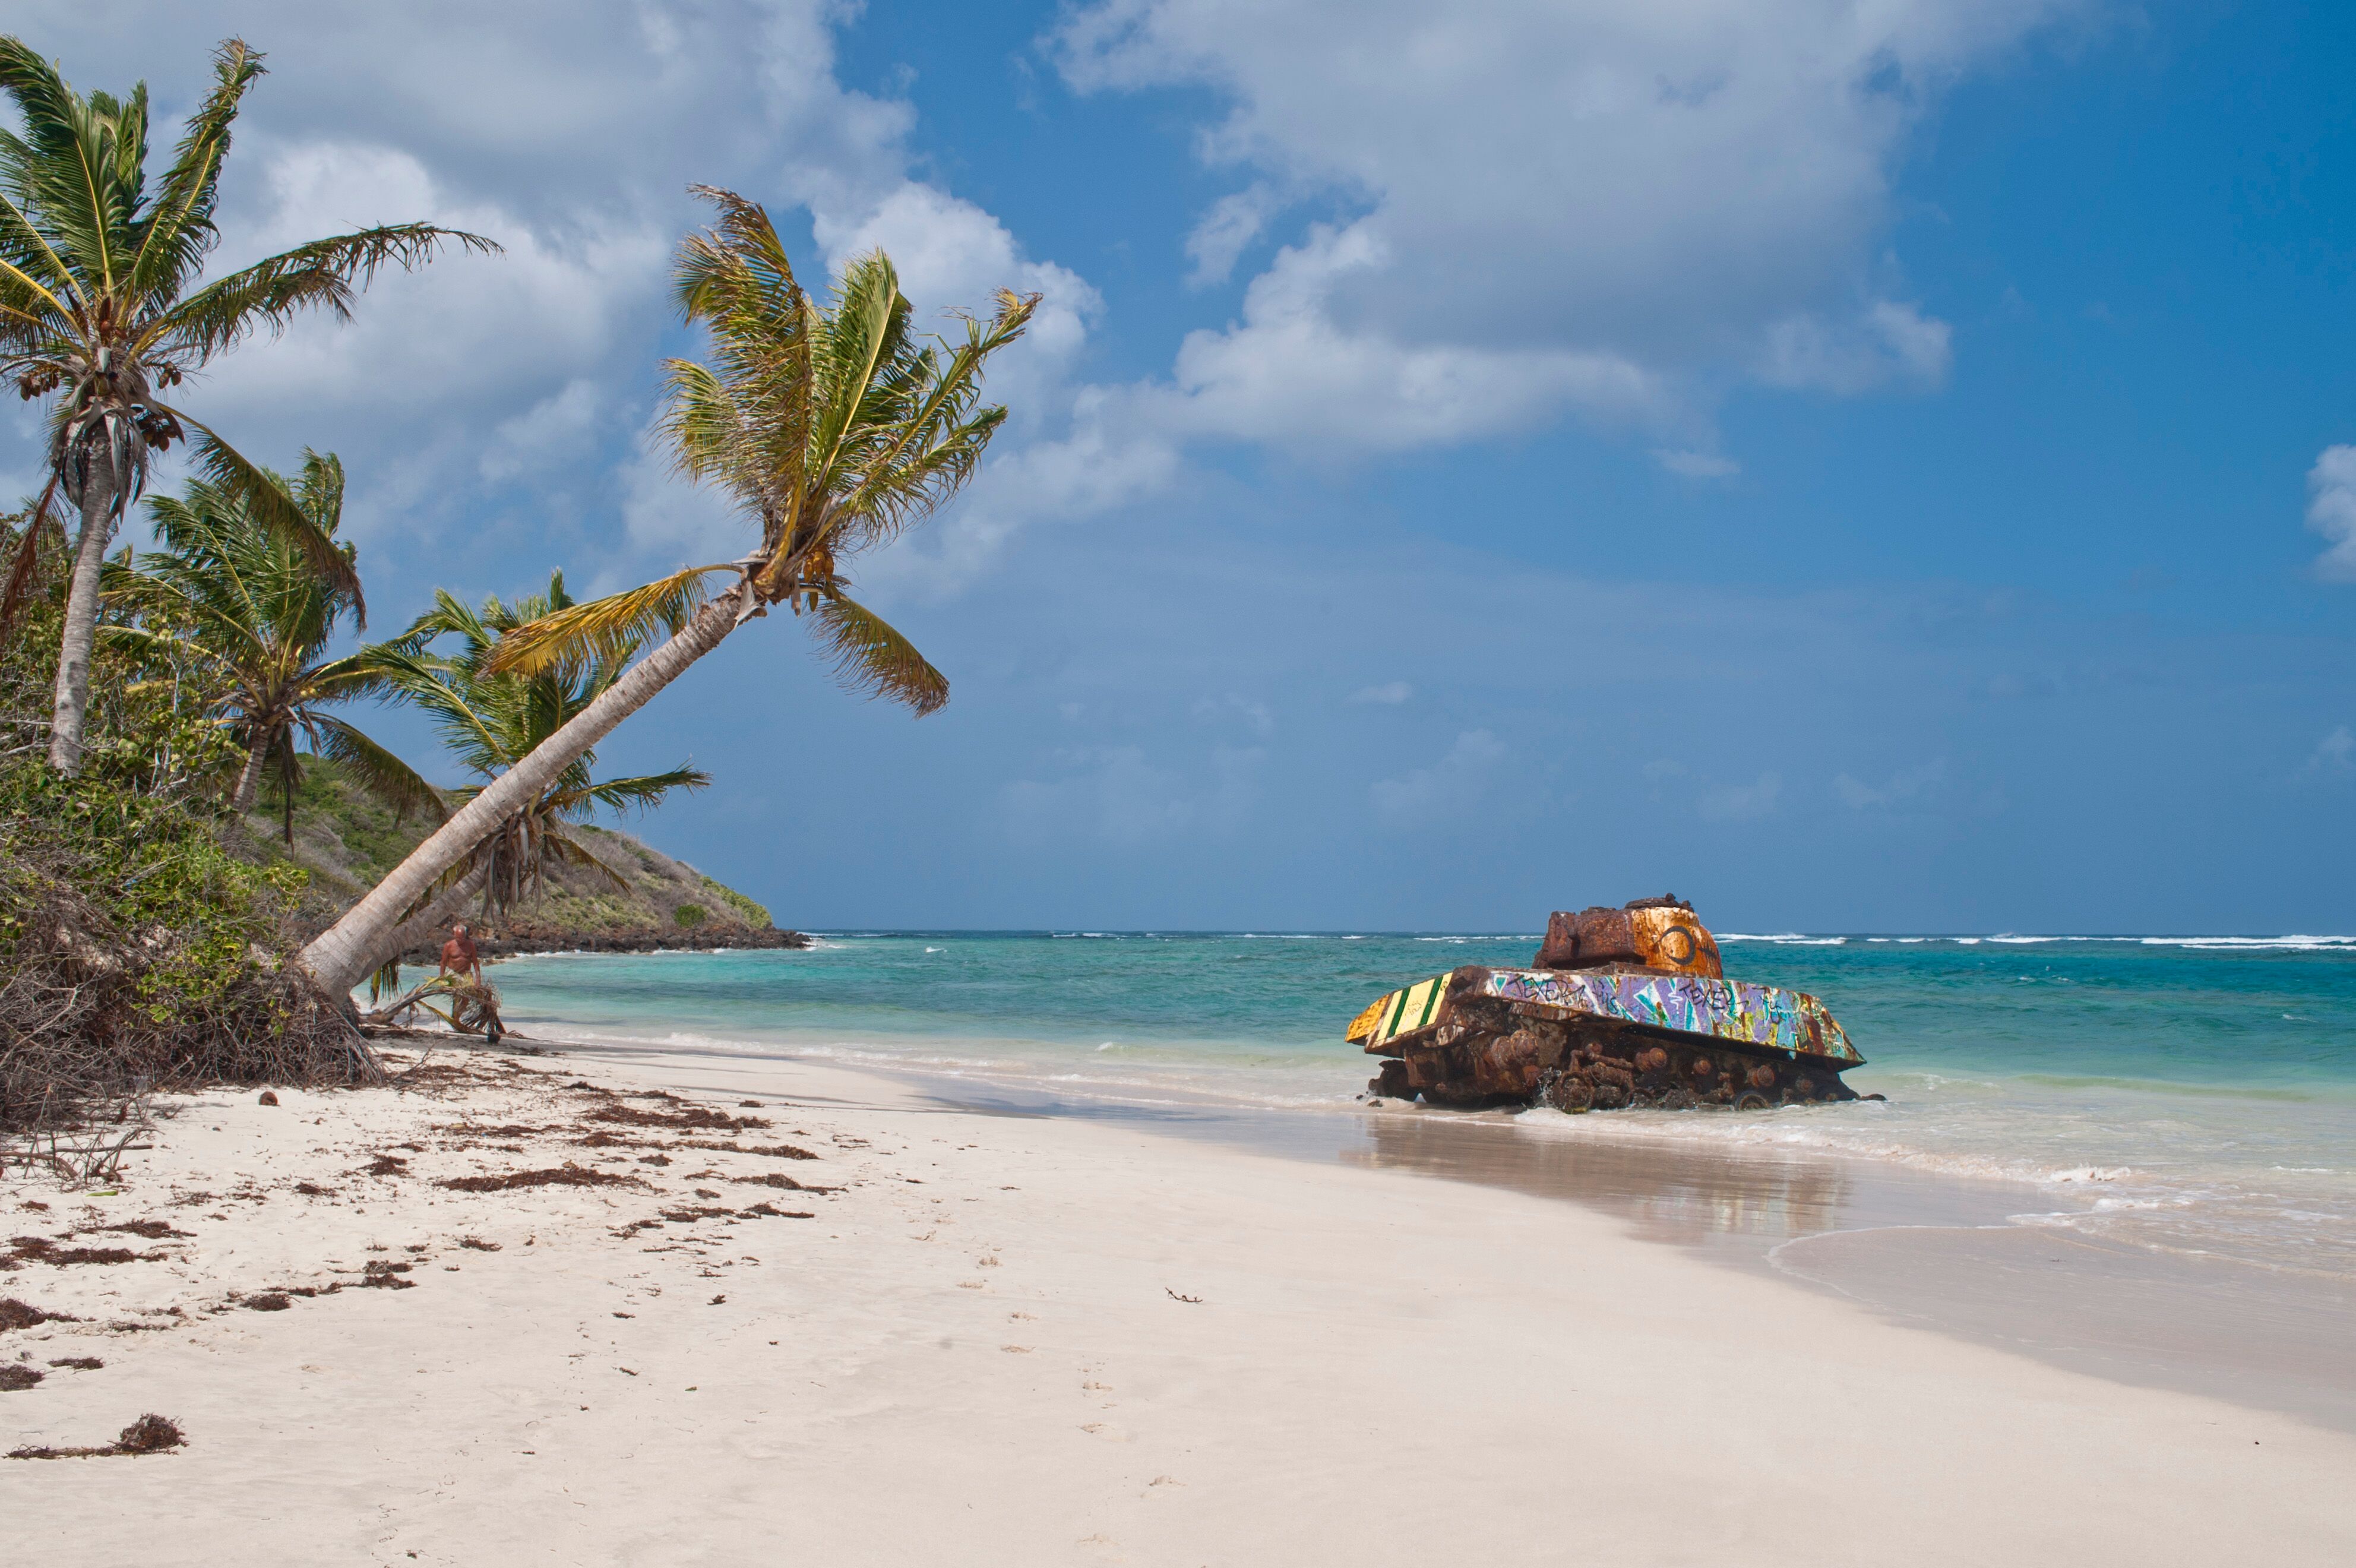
x=100 y=306
x=246 y=612
x=834 y=427
x=489 y=723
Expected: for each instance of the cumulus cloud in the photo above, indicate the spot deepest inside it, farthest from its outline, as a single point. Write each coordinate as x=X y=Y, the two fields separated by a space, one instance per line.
x=513 y=383
x=2331 y=512
x=1603 y=206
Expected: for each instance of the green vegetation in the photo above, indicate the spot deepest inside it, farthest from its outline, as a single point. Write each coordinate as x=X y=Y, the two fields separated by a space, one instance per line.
x=834 y=428
x=489 y=723
x=241 y=612
x=100 y=309
x=752 y=914
x=148 y=921
x=136 y=949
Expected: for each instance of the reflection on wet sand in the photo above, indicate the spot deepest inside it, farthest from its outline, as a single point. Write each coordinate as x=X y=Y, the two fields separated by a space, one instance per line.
x=1934 y=1253
x=1745 y=1204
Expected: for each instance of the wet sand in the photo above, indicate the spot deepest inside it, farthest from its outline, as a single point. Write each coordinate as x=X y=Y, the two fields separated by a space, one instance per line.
x=1929 y=1251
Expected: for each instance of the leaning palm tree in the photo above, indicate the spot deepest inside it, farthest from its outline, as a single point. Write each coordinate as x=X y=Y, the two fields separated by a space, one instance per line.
x=246 y=611
x=834 y=426
x=489 y=723
x=100 y=305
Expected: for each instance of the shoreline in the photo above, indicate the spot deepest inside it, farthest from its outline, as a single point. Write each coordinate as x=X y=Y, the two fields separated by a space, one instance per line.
x=1919 y=1247
x=1004 y=1335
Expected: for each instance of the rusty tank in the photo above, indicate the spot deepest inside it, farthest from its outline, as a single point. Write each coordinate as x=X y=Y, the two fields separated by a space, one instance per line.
x=1621 y=1007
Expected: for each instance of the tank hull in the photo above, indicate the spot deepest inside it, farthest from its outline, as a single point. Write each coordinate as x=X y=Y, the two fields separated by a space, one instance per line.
x=1604 y=1038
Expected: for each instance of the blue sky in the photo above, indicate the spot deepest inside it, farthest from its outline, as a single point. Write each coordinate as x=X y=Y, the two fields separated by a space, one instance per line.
x=1889 y=471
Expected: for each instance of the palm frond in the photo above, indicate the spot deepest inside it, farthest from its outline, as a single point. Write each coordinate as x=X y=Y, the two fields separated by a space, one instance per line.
x=378 y=771
x=267 y=501
x=321 y=275
x=871 y=658
x=605 y=631
x=640 y=794
x=27 y=557
x=178 y=229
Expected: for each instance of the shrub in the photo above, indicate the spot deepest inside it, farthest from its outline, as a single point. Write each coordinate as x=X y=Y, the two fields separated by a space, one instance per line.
x=689 y=915
x=136 y=953
x=752 y=914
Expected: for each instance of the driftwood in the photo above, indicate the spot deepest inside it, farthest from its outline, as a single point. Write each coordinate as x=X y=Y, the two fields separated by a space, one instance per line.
x=469 y=1005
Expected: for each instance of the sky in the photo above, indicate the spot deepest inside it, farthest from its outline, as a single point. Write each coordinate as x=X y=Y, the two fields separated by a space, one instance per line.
x=1876 y=467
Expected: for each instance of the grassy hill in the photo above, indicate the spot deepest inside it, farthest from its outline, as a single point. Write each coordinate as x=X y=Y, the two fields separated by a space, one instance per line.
x=348 y=841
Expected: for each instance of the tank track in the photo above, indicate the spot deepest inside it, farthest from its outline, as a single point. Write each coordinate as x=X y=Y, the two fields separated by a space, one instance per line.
x=1492 y=1056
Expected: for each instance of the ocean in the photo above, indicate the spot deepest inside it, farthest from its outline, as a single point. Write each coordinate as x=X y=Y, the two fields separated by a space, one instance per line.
x=2189 y=1096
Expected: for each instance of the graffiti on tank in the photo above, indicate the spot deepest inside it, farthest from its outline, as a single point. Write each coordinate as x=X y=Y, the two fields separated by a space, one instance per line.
x=1735 y=1010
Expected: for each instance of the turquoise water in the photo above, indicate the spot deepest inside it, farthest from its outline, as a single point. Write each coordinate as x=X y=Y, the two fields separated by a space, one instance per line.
x=2191 y=1094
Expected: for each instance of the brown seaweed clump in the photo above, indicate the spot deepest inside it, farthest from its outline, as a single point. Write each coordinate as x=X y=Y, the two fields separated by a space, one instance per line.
x=567 y=1174
x=148 y=1434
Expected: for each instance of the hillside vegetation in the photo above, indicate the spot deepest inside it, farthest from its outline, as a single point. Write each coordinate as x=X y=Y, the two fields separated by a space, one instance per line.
x=348 y=839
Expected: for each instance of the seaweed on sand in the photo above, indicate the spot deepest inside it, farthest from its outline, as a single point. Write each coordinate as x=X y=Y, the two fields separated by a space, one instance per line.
x=565 y=1174
x=148 y=1434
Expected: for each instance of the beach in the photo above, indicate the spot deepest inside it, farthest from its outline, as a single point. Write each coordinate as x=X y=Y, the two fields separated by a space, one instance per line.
x=1000 y=1335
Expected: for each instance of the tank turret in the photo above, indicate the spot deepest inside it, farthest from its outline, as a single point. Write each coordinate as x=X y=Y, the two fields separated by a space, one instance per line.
x=1648 y=933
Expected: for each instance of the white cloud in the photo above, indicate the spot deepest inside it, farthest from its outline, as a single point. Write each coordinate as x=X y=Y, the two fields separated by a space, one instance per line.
x=1292 y=373
x=1601 y=205
x=553 y=430
x=570 y=141
x=1695 y=465
x=1743 y=802
x=2331 y=512
x=1886 y=342
x=668 y=522
x=1452 y=784
x=1234 y=222
x=1390 y=694
x=1906 y=784
x=2334 y=753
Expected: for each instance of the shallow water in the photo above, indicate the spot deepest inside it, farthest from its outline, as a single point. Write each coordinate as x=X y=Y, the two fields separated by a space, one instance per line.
x=2183 y=1096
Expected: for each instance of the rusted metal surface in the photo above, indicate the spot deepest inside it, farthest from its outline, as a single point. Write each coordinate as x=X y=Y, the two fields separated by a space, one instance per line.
x=1652 y=933
x=1592 y=1032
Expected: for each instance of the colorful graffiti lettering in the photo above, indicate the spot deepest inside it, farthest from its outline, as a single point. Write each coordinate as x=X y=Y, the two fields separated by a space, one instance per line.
x=1730 y=1009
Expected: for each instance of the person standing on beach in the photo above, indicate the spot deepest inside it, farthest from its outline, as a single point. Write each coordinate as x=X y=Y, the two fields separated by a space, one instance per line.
x=458 y=954
x=460 y=960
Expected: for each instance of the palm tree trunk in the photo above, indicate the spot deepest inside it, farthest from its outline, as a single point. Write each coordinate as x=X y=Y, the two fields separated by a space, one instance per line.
x=249 y=780
x=420 y=927
x=338 y=958
x=71 y=713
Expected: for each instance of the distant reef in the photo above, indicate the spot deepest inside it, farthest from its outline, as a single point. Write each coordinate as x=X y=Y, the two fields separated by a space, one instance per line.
x=348 y=841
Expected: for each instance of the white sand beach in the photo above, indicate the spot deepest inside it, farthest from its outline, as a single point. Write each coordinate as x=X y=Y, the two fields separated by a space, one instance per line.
x=1009 y=1340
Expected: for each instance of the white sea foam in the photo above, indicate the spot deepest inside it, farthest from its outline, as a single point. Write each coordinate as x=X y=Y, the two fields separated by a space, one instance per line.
x=1787 y=939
